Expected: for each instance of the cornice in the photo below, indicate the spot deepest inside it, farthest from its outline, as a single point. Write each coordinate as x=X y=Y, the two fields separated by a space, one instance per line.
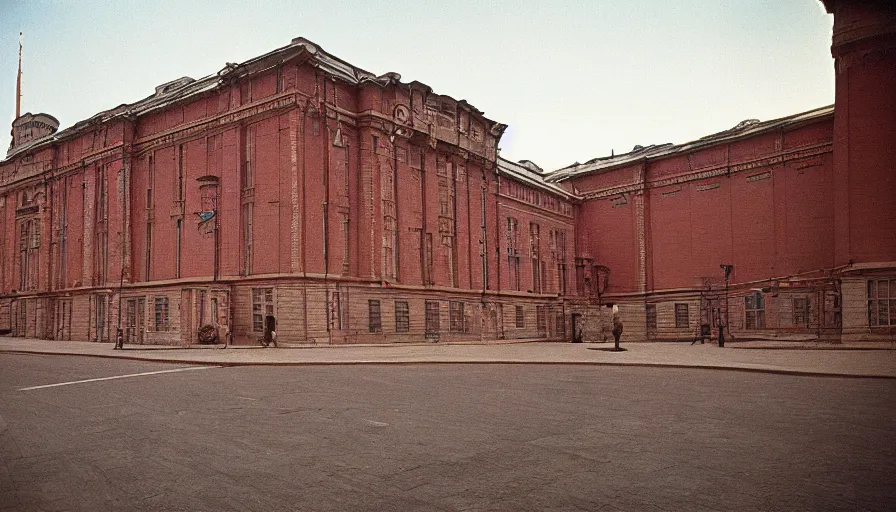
x=715 y=171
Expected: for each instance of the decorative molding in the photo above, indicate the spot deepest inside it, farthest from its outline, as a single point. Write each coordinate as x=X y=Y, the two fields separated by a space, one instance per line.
x=144 y=144
x=720 y=170
x=671 y=193
x=709 y=186
x=759 y=177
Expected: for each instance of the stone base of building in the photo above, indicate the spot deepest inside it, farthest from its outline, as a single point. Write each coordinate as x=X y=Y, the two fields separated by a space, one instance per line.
x=304 y=312
x=858 y=305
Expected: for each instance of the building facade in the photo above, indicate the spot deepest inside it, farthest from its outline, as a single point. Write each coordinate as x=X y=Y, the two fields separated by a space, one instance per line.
x=299 y=193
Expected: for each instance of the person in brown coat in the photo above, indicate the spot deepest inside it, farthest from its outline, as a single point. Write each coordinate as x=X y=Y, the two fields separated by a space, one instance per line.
x=617 y=326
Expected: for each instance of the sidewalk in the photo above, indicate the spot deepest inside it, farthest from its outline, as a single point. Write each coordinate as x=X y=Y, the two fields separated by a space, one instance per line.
x=843 y=363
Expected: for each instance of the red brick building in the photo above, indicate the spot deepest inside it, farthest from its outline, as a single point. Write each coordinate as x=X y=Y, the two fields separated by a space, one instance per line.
x=356 y=208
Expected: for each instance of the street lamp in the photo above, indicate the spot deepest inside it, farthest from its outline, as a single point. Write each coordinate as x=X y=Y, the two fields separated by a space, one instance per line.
x=727 y=269
x=209 y=212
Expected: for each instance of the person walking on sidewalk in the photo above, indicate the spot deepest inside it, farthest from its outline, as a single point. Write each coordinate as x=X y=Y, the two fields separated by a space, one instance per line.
x=270 y=334
x=617 y=326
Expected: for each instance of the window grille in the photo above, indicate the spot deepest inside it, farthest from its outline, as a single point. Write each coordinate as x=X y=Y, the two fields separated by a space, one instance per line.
x=432 y=319
x=402 y=317
x=262 y=306
x=651 y=317
x=801 y=311
x=374 y=319
x=754 y=306
x=161 y=314
x=681 y=316
x=456 y=314
x=881 y=302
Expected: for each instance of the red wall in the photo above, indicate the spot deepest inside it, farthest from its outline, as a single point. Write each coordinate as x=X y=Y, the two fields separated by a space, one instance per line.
x=769 y=221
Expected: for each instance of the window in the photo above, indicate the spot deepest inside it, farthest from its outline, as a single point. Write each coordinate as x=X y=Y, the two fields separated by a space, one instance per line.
x=681 y=316
x=181 y=162
x=432 y=319
x=374 y=319
x=402 y=316
x=247 y=178
x=561 y=261
x=161 y=314
x=754 y=306
x=201 y=307
x=801 y=311
x=262 y=306
x=150 y=180
x=513 y=252
x=456 y=316
x=651 y=317
x=428 y=276
x=520 y=320
x=130 y=322
x=541 y=320
x=416 y=158
x=535 y=254
x=29 y=245
x=100 y=302
x=881 y=302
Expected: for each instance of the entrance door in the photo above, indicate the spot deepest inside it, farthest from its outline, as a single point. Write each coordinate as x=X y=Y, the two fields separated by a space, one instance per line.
x=134 y=320
x=577 y=328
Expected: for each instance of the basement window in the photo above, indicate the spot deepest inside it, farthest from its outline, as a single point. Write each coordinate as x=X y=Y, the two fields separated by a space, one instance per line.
x=456 y=314
x=681 y=316
x=754 y=306
x=432 y=319
x=262 y=306
x=374 y=319
x=402 y=316
x=801 y=311
x=651 y=317
x=161 y=314
x=881 y=302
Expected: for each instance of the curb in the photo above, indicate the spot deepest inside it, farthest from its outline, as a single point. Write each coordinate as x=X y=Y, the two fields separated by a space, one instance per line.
x=229 y=364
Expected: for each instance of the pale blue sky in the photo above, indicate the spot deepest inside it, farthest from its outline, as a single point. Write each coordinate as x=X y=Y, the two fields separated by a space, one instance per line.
x=573 y=80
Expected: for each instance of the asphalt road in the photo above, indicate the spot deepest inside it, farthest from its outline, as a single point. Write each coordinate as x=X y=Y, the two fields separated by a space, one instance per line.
x=439 y=437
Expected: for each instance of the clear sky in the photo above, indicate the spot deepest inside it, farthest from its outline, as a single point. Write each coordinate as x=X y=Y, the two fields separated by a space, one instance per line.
x=573 y=80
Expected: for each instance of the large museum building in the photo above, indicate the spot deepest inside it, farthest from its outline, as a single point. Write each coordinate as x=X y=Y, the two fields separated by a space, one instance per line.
x=298 y=193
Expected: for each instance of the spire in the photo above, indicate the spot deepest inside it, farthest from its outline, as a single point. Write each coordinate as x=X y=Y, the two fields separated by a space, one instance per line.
x=18 y=90
x=19 y=81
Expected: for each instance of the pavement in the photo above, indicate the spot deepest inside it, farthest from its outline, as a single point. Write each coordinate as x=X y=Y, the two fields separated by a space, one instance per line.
x=869 y=360
x=94 y=434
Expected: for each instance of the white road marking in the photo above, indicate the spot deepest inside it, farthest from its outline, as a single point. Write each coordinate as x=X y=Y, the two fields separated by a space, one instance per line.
x=188 y=368
x=377 y=423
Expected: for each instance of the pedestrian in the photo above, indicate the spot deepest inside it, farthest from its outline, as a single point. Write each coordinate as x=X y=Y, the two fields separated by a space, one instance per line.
x=617 y=325
x=270 y=334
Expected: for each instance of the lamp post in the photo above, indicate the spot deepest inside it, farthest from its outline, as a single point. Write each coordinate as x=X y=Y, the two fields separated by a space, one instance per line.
x=210 y=212
x=727 y=269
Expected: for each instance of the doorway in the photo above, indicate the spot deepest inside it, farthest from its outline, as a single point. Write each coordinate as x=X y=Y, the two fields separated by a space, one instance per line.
x=577 y=333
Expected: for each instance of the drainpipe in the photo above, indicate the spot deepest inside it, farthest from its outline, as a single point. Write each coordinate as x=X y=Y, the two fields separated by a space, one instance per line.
x=325 y=142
